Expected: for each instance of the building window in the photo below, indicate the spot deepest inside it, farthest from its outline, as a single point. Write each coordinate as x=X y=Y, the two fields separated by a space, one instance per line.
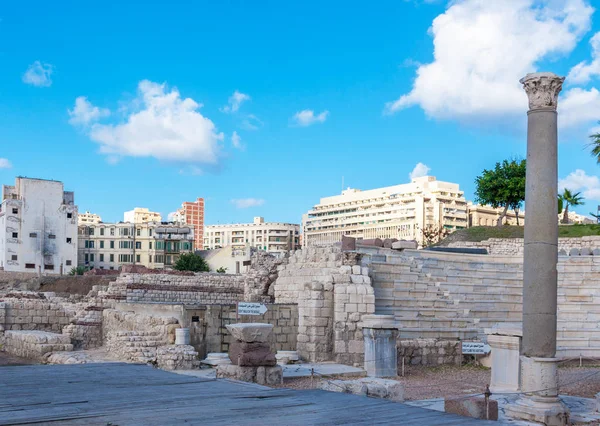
x=49 y=267
x=101 y=231
x=138 y=232
x=102 y=244
x=125 y=244
x=51 y=236
x=111 y=268
x=112 y=231
x=69 y=240
x=30 y=266
x=137 y=258
x=91 y=244
x=150 y=243
x=101 y=257
x=112 y=244
x=68 y=262
x=15 y=235
x=91 y=231
x=69 y=215
x=112 y=257
x=14 y=257
x=15 y=211
x=91 y=257
x=87 y=257
x=150 y=231
x=138 y=245
x=33 y=235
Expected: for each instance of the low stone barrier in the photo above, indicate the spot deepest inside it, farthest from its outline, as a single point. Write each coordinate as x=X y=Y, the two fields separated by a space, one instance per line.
x=429 y=352
x=177 y=357
x=33 y=344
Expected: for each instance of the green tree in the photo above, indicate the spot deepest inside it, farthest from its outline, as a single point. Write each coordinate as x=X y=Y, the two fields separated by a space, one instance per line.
x=504 y=186
x=78 y=270
x=595 y=144
x=569 y=199
x=191 y=262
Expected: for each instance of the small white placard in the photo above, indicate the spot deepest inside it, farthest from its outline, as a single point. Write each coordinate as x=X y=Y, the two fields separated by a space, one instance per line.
x=475 y=348
x=247 y=308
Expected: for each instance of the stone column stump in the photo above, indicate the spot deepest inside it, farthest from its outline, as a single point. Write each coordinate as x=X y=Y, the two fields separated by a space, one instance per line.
x=381 y=352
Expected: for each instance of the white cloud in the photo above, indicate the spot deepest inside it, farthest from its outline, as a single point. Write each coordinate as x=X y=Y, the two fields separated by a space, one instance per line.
x=191 y=171
x=251 y=122
x=162 y=125
x=38 y=74
x=578 y=106
x=235 y=101
x=420 y=170
x=236 y=140
x=244 y=203
x=5 y=164
x=307 y=117
x=85 y=113
x=584 y=71
x=481 y=50
x=579 y=181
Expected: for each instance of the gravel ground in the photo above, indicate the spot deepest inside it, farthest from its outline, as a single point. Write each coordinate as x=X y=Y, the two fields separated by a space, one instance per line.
x=448 y=381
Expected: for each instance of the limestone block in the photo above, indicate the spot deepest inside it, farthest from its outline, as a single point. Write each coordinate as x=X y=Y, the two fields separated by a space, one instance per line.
x=472 y=407
x=368 y=386
x=251 y=354
x=403 y=244
x=250 y=332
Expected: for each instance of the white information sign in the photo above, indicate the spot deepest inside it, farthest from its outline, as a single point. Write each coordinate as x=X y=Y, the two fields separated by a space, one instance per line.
x=247 y=308
x=475 y=348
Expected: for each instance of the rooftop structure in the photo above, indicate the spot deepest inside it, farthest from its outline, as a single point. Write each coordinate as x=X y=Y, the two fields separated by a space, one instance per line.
x=88 y=218
x=141 y=215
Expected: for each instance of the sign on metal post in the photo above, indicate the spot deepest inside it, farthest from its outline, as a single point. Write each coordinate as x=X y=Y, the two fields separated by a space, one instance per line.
x=475 y=348
x=247 y=308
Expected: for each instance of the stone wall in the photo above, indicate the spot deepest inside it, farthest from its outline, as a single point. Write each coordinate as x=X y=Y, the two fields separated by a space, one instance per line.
x=205 y=288
x=35 y=313
x=429 y=352
x=332 y=293
x=34 y=344
x=514 y=246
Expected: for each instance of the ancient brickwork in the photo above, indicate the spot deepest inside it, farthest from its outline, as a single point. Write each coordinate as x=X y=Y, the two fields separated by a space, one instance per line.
x=34 y=344
x=35 y=313
x=429 y=352
x=514 y=246
x=326 y=331
x=177 y=357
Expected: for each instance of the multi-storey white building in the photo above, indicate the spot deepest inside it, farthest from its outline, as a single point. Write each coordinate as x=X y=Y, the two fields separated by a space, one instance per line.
x=400 y=211
x=154 y=245
x=141 y=215
x=38 y=227
x=274 y=237
x=88 y=218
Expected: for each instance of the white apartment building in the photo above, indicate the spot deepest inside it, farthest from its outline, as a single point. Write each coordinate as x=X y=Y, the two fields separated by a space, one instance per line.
x=88 y=218
x=38 y=227
x=141 y=215
x=154 y=245
x=400 y=211
x=273 y=237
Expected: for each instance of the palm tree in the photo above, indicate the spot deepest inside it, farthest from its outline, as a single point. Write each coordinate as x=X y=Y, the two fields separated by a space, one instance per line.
x=570 y=199
x=595 y=144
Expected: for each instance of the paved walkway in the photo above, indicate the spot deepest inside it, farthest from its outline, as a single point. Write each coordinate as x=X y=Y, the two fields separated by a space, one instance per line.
x=129 y=394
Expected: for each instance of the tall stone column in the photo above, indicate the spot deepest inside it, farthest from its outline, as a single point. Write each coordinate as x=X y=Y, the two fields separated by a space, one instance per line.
x=539 y=374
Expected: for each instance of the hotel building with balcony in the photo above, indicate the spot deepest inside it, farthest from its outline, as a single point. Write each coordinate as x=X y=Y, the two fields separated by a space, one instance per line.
x=400 y=211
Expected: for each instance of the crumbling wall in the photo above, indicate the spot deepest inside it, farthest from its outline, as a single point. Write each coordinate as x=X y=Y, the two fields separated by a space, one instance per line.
x=514 y=246
x=429 y=352
x=34 y=344
x=33 y=311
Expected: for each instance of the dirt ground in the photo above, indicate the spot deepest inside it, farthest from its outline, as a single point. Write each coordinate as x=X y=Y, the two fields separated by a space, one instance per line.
x=448 y=381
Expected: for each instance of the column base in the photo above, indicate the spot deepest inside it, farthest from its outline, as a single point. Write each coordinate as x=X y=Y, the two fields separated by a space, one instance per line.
x=546 y=410
x=539 y=402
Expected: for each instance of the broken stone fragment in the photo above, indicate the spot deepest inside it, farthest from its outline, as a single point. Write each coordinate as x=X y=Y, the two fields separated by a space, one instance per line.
x=250 y=332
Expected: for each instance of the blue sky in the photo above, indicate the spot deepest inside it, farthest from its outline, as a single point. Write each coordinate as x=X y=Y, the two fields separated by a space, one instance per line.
x=136 y=103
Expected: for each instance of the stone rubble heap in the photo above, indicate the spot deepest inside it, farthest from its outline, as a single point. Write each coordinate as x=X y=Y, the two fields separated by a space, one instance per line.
x=177 y=357
x=251 y=356
x=34 y=344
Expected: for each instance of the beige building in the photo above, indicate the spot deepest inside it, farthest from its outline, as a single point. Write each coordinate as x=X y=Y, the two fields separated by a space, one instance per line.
x=273 y=237
x=488 y=216
x=154 y=245
x=88 y=218
x=141 y=215
x=400 y=211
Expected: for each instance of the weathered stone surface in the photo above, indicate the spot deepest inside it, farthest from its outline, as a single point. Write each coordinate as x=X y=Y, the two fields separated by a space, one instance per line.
x=404 y=244
x=250 y=332
x=177 y=357
x=376 y=242
x=216 y=358
x=287 y=357
x=574 y=252
x=251 y=354
x=348 y=243
x=472 y=407
x=368 y=386
x=260 y=375
x=585 y=251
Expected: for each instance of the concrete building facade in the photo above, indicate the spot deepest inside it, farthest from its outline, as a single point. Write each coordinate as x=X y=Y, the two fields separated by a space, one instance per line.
x=400 y=211
x=273 y=237
x=38 y=227
x=488 y=216
x=88 y=218
x=192 y=213
x=141 y=215
x=154 y=245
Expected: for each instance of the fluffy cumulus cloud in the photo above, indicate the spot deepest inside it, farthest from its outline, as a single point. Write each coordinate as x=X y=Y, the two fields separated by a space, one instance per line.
x=420 y=170
x=235 y=101
x=84 y=113
x=38 y=74
x=236 y=140
x=481 y=50
x=162 y=125
x=5 y=164
x=579 y=181
x=584 y=71
x=244 y=203
x=307 y=117
x=578 y=106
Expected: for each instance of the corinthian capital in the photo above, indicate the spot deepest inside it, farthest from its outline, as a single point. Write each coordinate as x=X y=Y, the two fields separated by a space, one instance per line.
x=542 y=89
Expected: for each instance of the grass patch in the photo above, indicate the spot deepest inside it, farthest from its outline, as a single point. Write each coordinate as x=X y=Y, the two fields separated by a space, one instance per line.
x=481 y=233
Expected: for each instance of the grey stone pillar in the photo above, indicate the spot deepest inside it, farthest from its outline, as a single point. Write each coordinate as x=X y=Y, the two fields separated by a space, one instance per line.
x=539 y=374
x=381 y=350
